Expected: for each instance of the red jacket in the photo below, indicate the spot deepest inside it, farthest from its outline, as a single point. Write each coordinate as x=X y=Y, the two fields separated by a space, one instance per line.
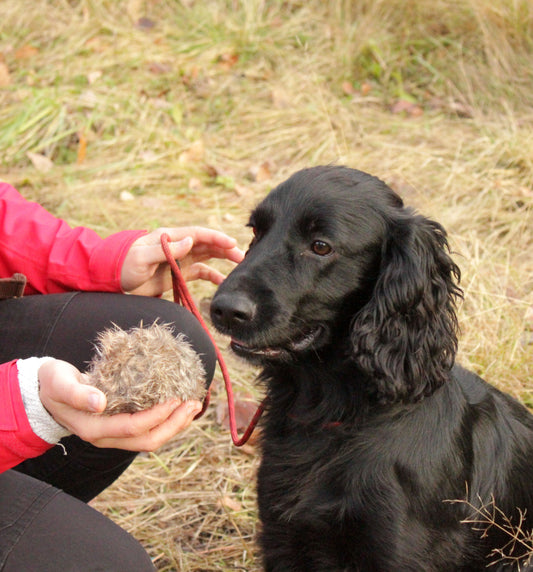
x=54 y=258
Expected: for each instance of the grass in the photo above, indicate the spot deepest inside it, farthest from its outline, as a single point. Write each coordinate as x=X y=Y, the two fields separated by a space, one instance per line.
x=117 y=114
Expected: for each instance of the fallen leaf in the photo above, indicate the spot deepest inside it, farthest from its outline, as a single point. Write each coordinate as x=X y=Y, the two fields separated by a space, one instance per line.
x=5 y=77
x=42 y=163
x=526 y=339
x=134 y=9
x=94 y=76
x=407 y=107
x=195 y=184
x=191 y=76
x=450 y=106
x=241 y=190
x=160 y=67
x=211 y=171
x=148 y=156
x=153 y=203
x=193 y=154
x=366 y=88
x=261 y=173
x=26 y=52
x=88 y=98
x=227 y=502
x=280 y=98
x=244 y=412
x=348 y=88
x=228 y=60
x=96 y=44
x=462 y=109
x=145 y=23
x=82 y=148
x=127 y=196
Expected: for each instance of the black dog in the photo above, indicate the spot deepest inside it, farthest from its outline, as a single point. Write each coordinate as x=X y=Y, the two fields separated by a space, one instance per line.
x=378 y=451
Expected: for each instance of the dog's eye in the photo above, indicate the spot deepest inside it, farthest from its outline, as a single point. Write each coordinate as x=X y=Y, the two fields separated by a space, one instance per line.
x=321 y=248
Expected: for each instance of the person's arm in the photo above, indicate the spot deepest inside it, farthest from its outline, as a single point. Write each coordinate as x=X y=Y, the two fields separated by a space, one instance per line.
x=54 y=256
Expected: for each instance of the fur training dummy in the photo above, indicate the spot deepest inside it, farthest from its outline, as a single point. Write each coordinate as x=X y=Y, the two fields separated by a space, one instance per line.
x=144 y=366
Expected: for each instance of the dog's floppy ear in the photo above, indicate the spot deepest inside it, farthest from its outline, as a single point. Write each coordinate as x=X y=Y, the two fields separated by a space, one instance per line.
x=405 y=337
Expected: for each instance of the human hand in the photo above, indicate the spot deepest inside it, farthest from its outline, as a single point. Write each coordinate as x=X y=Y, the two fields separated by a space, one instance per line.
x=73 y=404
x=145 y=270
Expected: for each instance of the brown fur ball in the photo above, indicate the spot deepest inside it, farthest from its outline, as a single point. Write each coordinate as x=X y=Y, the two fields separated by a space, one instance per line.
x=144 y=366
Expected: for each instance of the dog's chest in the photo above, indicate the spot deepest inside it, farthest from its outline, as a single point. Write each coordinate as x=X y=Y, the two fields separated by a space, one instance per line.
x=308 y=473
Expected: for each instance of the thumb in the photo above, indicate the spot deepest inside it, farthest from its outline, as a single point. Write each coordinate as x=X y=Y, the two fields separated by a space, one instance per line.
x=62 y=383
x=84 y=397
x=93 y=400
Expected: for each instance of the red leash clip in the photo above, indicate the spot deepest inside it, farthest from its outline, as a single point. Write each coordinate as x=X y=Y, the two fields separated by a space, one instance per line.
x=183 y=297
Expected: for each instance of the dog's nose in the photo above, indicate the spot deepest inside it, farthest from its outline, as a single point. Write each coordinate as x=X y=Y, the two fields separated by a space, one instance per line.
x=229 y=311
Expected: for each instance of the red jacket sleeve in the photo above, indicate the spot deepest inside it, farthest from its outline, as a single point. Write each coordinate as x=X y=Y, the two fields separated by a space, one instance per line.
x=53 y=256
x=17 y=440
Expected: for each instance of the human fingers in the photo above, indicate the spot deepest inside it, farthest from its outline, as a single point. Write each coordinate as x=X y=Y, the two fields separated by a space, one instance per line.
x=98 y=429
x=150 y=255
x=203 y=251
x=179 y=418
x=199 y=234
x=199 y=271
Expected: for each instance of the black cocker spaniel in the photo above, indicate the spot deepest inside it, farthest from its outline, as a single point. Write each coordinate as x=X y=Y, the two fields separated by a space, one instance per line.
x=378 y=452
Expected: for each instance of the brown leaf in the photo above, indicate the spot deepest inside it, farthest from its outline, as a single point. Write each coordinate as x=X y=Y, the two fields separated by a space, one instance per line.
x=348 y=88
x=261 y=173
x=244 y=411
x=145 y=23
x=211 y=171
x=228 y=60
x=190 y=77
x=42 y=163
x=280 y=98
x=407 y=107
x=366 y=88
x=241 y=190
x=82 y=148
x=94 y=76
x=193 y=154
x=25 y=52
x=160 y=67
x=195 y=184
x=126 y=196
x=227 y=502
x=5 y=77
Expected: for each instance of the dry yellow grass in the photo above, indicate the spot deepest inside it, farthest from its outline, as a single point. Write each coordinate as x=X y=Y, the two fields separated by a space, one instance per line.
x=159 y=112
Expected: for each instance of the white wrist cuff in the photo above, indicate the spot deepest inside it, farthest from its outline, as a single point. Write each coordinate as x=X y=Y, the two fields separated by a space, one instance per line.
x=41 y=422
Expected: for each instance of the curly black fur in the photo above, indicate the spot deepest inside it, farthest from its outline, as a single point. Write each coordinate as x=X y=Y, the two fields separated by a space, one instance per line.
x=347 y=300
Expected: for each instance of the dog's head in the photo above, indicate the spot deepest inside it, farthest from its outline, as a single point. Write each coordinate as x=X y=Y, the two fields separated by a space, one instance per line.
x=337 y=264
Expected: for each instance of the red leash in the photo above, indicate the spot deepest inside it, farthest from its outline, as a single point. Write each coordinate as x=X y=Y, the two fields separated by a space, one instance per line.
x=183 y=297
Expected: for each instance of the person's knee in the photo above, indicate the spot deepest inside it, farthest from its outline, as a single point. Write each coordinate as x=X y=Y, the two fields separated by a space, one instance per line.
x=78 y=538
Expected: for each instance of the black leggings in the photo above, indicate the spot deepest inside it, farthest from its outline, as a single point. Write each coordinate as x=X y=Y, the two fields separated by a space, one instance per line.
x=45 y=524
